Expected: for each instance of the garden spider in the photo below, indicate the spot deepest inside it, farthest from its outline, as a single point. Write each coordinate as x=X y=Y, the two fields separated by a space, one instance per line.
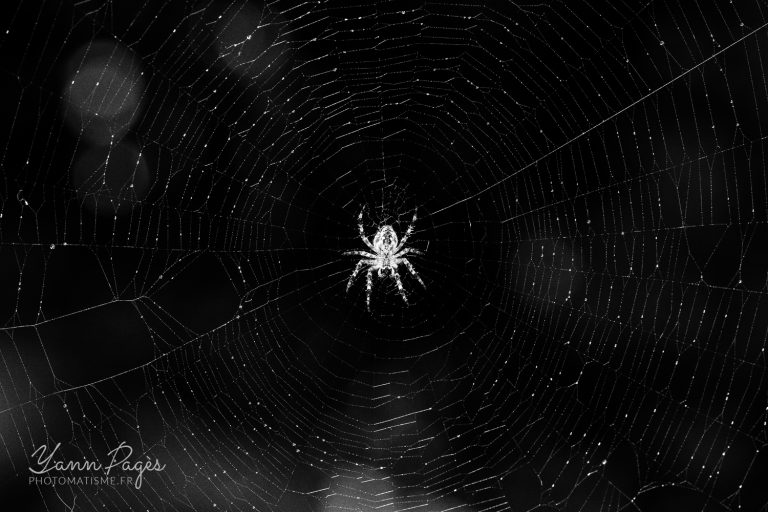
x=385 y=255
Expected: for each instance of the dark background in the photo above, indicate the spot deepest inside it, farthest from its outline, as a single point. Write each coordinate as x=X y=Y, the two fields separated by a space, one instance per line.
x=591 y=195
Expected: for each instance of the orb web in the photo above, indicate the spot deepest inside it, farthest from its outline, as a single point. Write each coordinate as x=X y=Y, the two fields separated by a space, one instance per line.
x=179 y=181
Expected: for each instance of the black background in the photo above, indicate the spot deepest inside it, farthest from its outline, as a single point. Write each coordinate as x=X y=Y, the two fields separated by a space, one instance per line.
x=591 y=196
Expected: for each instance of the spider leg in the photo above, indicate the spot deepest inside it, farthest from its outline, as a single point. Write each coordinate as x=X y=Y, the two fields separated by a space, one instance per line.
x=365 y=254
x=409 y=250
x=358 y=267
x=412 y=270
x=368 y=288
x=400 y=285
x=407 y=233
x=362 y=231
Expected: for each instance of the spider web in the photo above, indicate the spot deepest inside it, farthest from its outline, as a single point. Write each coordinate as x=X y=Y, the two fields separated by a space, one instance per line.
x=181 y=179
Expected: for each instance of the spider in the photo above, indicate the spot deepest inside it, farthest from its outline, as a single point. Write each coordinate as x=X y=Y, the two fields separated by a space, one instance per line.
x=386 y=254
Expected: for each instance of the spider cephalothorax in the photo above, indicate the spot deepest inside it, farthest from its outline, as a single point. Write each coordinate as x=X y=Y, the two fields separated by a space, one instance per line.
x=386 y=254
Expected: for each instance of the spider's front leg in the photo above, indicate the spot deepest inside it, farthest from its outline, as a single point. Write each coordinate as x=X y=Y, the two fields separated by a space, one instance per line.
x=412 y=270
x=358 y=267
x=400 y=285
x=368 y=288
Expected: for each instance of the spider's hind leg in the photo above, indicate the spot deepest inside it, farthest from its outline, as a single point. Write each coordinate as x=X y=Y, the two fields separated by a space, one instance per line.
x=407 y=232
x=361 y=230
